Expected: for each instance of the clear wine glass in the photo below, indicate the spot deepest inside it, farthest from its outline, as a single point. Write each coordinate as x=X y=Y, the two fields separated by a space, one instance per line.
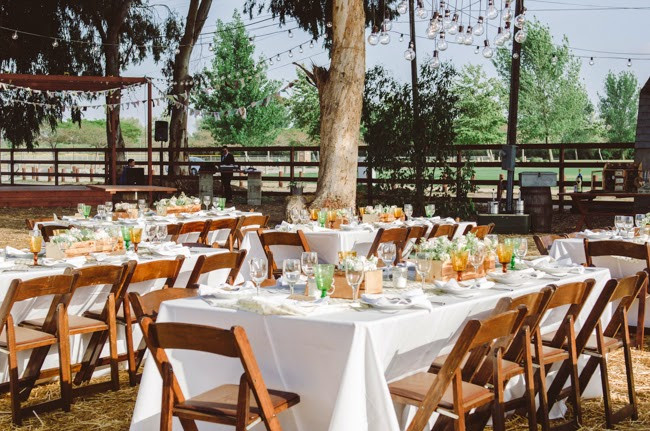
x=304 y=216
x=81 y=209
x=422 y=265
x=477 y=257
x=308 y=260
x=161 y=233
x=619 y=223
x=429 y=210
x=108 y=205
x=101 y=212
x=207 y=200
x=408 y=211
x=387 y=252
x=354 y=272
x=291 y=272
x=151 y=232
x=521 y=248
x=629 y=226
x=294 y=214
x=639 y=220
x=258 y=271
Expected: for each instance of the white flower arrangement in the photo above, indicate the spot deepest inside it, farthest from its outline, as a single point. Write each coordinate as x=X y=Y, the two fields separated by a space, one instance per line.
x=75 y=235
x=179 y=201
x=368 y=264
x=438 y=248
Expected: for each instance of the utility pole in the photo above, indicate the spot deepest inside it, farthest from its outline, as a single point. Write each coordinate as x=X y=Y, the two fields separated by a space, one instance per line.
x=515 y=68
x=419 y=163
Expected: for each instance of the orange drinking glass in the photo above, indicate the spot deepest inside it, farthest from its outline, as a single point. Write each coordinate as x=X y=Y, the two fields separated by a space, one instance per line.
x=504 y=254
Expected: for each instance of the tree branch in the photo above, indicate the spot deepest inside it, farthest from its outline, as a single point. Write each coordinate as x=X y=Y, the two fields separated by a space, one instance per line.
x=310 y=75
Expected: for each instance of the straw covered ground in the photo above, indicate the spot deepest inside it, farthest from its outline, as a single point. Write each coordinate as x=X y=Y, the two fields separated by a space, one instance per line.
x=111 y=411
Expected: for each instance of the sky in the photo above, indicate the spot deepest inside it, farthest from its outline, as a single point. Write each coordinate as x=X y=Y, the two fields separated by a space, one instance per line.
x=599 y=28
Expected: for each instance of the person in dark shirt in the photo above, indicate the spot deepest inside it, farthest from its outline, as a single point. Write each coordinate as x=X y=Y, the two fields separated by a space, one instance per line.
x=129 y=164
x=226 y=177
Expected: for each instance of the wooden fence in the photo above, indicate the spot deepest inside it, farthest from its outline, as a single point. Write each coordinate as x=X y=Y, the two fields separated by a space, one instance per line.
x=65 y=165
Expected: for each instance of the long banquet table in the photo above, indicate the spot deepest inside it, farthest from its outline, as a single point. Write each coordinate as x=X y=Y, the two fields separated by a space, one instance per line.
x=84 y=299
x=339 y=361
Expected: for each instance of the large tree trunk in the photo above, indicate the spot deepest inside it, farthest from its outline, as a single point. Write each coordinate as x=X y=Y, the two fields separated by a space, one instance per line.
x=196 y=16
x=113 y=129
x=340 y=91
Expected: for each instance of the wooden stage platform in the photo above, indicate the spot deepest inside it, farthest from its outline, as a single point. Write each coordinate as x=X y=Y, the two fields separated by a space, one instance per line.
x=51 y=196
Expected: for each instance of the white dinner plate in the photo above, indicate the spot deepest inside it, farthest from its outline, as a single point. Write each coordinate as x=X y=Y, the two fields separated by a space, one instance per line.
x=390 y=303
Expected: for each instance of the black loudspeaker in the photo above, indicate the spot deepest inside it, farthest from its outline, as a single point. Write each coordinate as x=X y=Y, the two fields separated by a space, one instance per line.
x=161 y=131
x=508 y=157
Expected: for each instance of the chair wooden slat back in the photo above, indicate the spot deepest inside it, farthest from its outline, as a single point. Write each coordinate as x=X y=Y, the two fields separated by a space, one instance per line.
x=250 y=223
x=200 y=226
x=173 y=230
x=475 y=334
x=223 y=224
x=448 y=230
x=48 y=230
x=31 y=222
x=167 y=269
x=481 y=231
x=270 y=239
x=395 y=235
x=573 y=295
x=148 y=305
x=417 y=233
x=117 y=277
x=544 y=242
x=215 y=262
x=616 y=248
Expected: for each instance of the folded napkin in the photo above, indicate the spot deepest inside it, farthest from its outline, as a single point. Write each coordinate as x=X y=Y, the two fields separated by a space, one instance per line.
x=478 y=283
x=226 y=290
x=277 y=305
x=75 y=262
x=282 y=282
x=5 y=264
x=413 y=298
x=451 y=286
x=14 y=252
x=551 y=266
x=115 y=258
x=285 y=227
x=357 y=227
x=516 y=277
x=170 y=249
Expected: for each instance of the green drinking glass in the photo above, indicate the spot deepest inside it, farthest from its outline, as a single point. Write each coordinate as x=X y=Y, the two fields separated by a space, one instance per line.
x=322 y=218
x=324 y=275
x=87 y=209
x=126 y=236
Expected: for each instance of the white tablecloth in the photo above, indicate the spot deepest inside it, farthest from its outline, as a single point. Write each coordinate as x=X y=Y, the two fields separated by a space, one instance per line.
x=83 y=300
x=619 y=267
x=339 y=363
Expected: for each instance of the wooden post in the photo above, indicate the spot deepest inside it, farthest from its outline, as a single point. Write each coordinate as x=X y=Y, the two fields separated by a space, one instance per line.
x=92 y=171
x=149 y=139
x=369 y=179
x=50 y=171
x=113 y=151
x=62 y=180
x=513 y=108
x=291 y=161
x=280 y=184
x=11 y=161
x=56 y=167
x=561 y=179
x=24 y=176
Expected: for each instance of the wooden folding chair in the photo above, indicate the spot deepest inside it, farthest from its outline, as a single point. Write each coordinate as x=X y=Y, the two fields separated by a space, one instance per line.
x=31 y=222
x=205 y=264
x=633 y=251
x=597 y=346
x=49 y=230
x=480 y=231
x=448 y=230
x=54 y=330
x=249 y=223
x=560 y=346
x=272 y=239
x=229 y=404
x=201 y=227
x=222 y=224
x=148 y=305
x=173 y=230
x=155 y=270
x=415 y=235
x=544 y=242
x=89 y=277
x=396 y=235
x=480 y=342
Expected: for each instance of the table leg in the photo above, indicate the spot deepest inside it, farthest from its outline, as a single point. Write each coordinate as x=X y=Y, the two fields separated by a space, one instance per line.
x=583 y=210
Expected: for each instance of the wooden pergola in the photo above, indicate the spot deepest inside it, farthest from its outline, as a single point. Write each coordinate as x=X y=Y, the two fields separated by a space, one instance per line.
x=90 y=83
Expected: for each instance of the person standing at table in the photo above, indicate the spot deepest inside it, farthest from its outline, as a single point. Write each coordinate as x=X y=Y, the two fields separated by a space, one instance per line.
x=226 y=176
x=129 y=164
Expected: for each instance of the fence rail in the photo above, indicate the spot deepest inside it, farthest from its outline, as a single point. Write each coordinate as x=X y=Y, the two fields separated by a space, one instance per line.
x=280 y=164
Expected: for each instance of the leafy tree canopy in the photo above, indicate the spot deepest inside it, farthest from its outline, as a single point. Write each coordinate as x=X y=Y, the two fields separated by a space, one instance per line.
x=305 y=108
x=619 y=106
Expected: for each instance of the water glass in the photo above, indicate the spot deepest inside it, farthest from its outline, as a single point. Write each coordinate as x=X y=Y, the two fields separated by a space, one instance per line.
x=504 y=255
x=81 y=209
x=459 y=258
x=639 y=220
x=136 y=237
x=304 y=216
x=408 y=211
x=294 y=215
x=126 y=236
x=521 y=248
x=291 y=272
x=429 y=210
x=101 y=211
x=258 y=271
x=422 y=265
x=161 y=232
x=619 y=223
x=322 y=217
x=150 y=232
x=477 y=257
x=207 y=199
x=87 y=209
x=324 y=275
x=108 y=205
x=387 y=252
x=354 y=272
x=35 y=243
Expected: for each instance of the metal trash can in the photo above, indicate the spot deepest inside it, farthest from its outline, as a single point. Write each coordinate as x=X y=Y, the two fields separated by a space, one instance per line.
x=535 y=189
x=254 y=188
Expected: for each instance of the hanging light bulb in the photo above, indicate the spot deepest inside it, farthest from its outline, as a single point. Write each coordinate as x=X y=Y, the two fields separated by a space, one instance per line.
x=270 y=62
x=446 y=20
x=402 y=7
x=629 y=62
x=507 y=34
x=409 y=54
x=478 y=48
x=329 y=24
x=453 y=28
x=499 y=39
x=469 y=39
x=15 y=35
x=210 y=47
x=290 y=34
x=388 y=24
x=420 y=11
x=554 y=60
x=95 y=49
x=373 y=39
x=290 y=54
x=177 y=51
x=515 y=55
x=492 y=12
x=488 y=52
x=300 y=50
x=480 y=28
x=460 y=37
x=520 y=20
x=401 y=38
x=311 y=44
x=435 y=62
x=506 y=13
x=384 y=38
x=434 y=25
x=520 y=36
x=277 y=57
x=591 y=61
x=55 y=43
x=442 y=42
